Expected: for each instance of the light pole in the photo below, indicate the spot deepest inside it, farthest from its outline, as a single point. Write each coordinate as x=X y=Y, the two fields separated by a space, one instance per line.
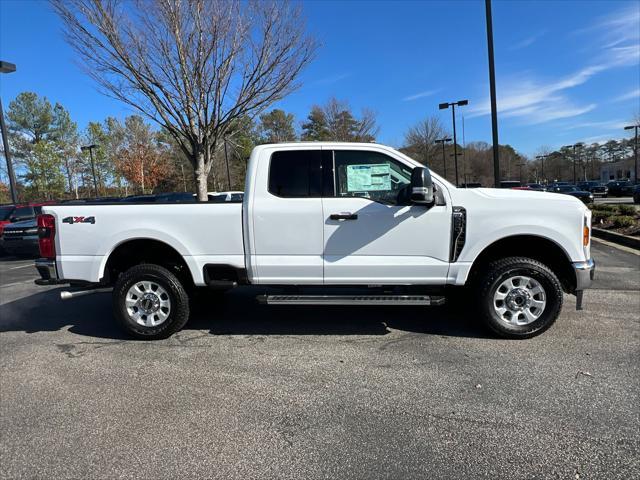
x=444 y=106
x=574 y=159
x=492 y=87
x=93 y=168
x=456 y=155
x=444 y=161
x=541 y=158
x=635 y=150
x=6 y=67
x=521 y=164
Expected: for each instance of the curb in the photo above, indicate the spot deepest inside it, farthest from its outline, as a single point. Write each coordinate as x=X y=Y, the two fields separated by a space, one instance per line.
x=618 y=238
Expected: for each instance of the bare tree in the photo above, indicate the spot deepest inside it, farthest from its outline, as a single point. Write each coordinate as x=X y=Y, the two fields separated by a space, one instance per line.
x=419 y=143
x=421 y=137
x=195 y=67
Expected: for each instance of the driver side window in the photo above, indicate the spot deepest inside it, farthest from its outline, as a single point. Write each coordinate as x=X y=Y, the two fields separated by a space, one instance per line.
x=371 y=175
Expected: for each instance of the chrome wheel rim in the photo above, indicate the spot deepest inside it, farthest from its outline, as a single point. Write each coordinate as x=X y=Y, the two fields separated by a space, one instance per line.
x=519 y=300
x=148 y=304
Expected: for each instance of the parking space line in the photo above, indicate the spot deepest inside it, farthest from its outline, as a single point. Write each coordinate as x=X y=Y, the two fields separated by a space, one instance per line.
x=24 y=282
x=22 y=266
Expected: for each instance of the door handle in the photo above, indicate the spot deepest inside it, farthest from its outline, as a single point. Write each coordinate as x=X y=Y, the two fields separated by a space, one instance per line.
x=343 y=216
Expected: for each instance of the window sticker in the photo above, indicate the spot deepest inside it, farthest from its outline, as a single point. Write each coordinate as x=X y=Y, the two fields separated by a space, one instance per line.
x=362 y=178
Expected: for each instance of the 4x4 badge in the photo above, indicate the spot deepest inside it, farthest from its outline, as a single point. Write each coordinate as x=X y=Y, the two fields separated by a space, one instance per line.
x=72 y=220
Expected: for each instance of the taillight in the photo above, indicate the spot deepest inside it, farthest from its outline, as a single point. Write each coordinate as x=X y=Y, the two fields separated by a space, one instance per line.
x=46 y=235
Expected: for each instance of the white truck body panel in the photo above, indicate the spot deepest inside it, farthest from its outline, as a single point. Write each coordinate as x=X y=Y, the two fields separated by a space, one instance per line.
x=286 y=234
x=294 y=241
x=201 y=232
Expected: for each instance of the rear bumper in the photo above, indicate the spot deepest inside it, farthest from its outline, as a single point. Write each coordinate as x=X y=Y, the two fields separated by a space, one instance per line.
x=585 y=272
x=47 y=270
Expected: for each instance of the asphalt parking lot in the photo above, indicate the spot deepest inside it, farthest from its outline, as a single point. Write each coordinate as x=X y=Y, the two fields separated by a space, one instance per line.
x=250 y=391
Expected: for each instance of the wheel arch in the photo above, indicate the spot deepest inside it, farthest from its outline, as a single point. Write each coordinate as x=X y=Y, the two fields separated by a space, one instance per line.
x=135 y=251
x=537 y=247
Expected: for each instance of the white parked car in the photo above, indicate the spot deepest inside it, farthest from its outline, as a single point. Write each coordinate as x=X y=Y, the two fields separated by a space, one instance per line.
x=224 y=197
x=325 y=215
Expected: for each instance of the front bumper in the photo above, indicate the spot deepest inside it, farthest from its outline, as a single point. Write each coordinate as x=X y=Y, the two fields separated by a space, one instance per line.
x=585 y=271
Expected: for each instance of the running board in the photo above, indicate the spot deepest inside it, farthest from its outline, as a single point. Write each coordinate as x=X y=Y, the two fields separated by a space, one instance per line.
x=351 y=300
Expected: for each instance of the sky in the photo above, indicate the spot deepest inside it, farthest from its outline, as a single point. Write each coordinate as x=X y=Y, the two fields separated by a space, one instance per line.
x=566 y=71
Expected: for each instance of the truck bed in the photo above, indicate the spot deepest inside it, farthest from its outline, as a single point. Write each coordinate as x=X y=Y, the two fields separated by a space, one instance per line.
x=203 y=233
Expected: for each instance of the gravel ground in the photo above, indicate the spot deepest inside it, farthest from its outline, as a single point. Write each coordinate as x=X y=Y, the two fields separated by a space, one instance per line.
x=250 y=391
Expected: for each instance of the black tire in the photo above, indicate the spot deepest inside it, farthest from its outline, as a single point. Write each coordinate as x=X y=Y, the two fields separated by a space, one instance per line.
x=499 y=271
x=179 y=302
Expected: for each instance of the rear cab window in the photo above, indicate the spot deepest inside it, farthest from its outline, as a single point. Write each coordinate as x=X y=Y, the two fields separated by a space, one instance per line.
x=295 y=173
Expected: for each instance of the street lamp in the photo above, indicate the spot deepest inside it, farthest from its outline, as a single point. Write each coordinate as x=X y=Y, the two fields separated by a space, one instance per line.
x=541 y=158
x=444 y=106
x=93 y=168
x=444 y=161
x=492 y=91
x=456 y=155
x=635 y=150
x=6 y=67
x=574 y=159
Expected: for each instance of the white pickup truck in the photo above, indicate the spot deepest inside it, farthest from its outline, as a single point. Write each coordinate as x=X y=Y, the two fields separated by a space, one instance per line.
x=329 y=224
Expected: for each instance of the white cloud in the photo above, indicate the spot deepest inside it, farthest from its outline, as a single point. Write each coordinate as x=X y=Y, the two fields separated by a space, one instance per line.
x=534 y=100
x=331 y=79
x=601 y=139
x=628 y=96
x=416 y=96
x=604 y=125
x=526 y=42
x=617 y=28
x=537 y=102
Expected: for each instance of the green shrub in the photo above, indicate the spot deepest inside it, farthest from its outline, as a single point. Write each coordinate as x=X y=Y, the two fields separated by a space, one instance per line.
x=598 y=217
x=603 y=208
x=626 y=210
x=622 y=221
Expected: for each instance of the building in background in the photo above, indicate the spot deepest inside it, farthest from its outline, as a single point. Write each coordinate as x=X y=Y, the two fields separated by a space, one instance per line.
x=620 y=170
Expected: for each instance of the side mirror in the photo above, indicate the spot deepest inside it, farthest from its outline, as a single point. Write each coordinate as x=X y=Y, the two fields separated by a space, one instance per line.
x=421 y=186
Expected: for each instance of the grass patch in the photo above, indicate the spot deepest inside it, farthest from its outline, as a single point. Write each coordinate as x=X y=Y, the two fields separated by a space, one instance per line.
x=626 y=210
x=604 y=208
x=623 y=221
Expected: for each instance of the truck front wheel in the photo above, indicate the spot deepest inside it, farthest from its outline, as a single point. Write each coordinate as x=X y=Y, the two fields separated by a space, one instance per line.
x=149 y=302
x=519 y=297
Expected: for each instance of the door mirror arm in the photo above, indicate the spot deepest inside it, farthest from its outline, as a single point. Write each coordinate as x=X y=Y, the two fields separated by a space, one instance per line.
x=421 y=187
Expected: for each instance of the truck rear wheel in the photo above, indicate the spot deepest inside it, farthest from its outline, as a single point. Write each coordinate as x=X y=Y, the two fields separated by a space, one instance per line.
x=149 y=302
x=519 y=297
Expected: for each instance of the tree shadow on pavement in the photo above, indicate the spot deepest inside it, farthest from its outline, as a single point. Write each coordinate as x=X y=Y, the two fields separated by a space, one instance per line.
x=238 y=313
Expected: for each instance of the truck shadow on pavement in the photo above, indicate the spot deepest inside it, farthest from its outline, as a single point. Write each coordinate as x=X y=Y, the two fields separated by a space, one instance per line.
x=238 y=314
